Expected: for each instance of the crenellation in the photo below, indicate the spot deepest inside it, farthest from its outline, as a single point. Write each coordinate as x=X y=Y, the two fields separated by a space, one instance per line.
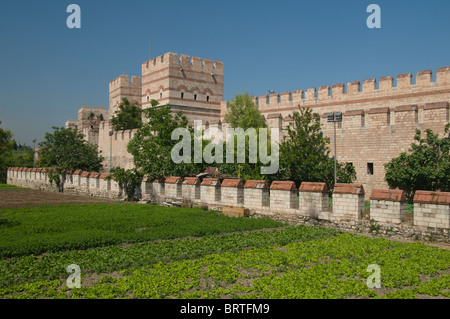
x=443 y=76
x=324 y=92
x=404 y=81
x=274 y=99
x=386 y=83
x=310 y=94
x=338 y=90
x=298 y=96
x=286 y=97
x=369 y=86
x=424 y=79
x=353 y=88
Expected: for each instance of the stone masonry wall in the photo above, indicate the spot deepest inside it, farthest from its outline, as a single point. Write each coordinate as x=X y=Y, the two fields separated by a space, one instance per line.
x=431 y=217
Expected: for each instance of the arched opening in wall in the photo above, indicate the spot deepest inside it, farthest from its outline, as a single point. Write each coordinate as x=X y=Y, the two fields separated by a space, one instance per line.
x=195 y=96
x=416 y=115
x=363 y=121
x=290 y=96
x=388 y=118
x=182 y=95
x=207 y=98
x=148 y=98
x=267 y=100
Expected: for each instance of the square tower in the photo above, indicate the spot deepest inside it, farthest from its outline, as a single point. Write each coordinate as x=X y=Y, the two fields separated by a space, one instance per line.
x=122 y=87
x=190 y=85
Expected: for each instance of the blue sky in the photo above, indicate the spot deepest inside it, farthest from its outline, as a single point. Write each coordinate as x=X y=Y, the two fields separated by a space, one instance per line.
x=48 y=71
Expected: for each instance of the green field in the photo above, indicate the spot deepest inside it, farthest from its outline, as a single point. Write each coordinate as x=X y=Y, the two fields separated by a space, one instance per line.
x=143 y=251
x=8 y=186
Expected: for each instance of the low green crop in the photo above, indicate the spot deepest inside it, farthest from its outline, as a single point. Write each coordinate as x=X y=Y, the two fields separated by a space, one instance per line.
x=50 y=229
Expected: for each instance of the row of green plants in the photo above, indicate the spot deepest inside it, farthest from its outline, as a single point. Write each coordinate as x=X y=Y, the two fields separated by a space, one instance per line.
x=52 y=266
x=38 y=230
x=331 y=267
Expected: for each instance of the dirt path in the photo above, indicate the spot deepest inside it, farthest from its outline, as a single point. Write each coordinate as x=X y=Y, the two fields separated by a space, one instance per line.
x=17 y=198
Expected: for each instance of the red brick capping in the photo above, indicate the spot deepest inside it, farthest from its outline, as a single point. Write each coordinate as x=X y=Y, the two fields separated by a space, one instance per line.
x=211 y=182
x=85 y=174
x=378 y=110
x=427 y=197
x=283 y=186
x=404 y=75
x=232 y=182
x=392 y=195
x=191 y=181
x=313 y=187
x=340 y=188
x=404 y=108
x=274 y=116
x=103 y=175
x=353 y=113
x=425 y=72
x=173 y=180
x=78 y=172
x=94 y=175
x=256 y=184
x=158 y=180
x=446 y=68
x=437 y=105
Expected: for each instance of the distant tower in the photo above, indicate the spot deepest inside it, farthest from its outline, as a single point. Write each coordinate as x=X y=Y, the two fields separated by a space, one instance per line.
x=122 y=87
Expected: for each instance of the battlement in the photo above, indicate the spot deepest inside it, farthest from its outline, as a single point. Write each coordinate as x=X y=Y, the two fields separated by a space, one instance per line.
x=184 y=63
x=406 y=83
x=124 y=80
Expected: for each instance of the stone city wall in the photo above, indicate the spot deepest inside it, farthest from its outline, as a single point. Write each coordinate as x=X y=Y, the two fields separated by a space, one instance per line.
x=283 y=200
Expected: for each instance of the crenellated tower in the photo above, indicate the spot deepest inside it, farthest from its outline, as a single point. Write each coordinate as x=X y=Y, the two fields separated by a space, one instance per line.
x=190 y=85
x=123 y=87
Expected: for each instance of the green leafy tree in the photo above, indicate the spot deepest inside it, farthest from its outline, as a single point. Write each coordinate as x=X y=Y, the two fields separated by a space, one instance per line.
x=6 y=147
x=426 y=166
x=127 y=117
x=22 y=156
x=243 y=113
x=128 y=180
x=152 y=144
x=64 y=150
x=304 y=153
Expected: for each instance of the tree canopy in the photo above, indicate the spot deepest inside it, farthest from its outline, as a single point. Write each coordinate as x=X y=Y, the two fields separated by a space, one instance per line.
x=65 y=149
x=6 y=147
x=152 y=144
x=426 y=165
x=127 y=117
x=305 y=155
x=242 y=112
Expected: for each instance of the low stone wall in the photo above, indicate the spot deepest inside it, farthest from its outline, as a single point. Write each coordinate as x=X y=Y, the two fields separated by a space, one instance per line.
x=282 y=200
